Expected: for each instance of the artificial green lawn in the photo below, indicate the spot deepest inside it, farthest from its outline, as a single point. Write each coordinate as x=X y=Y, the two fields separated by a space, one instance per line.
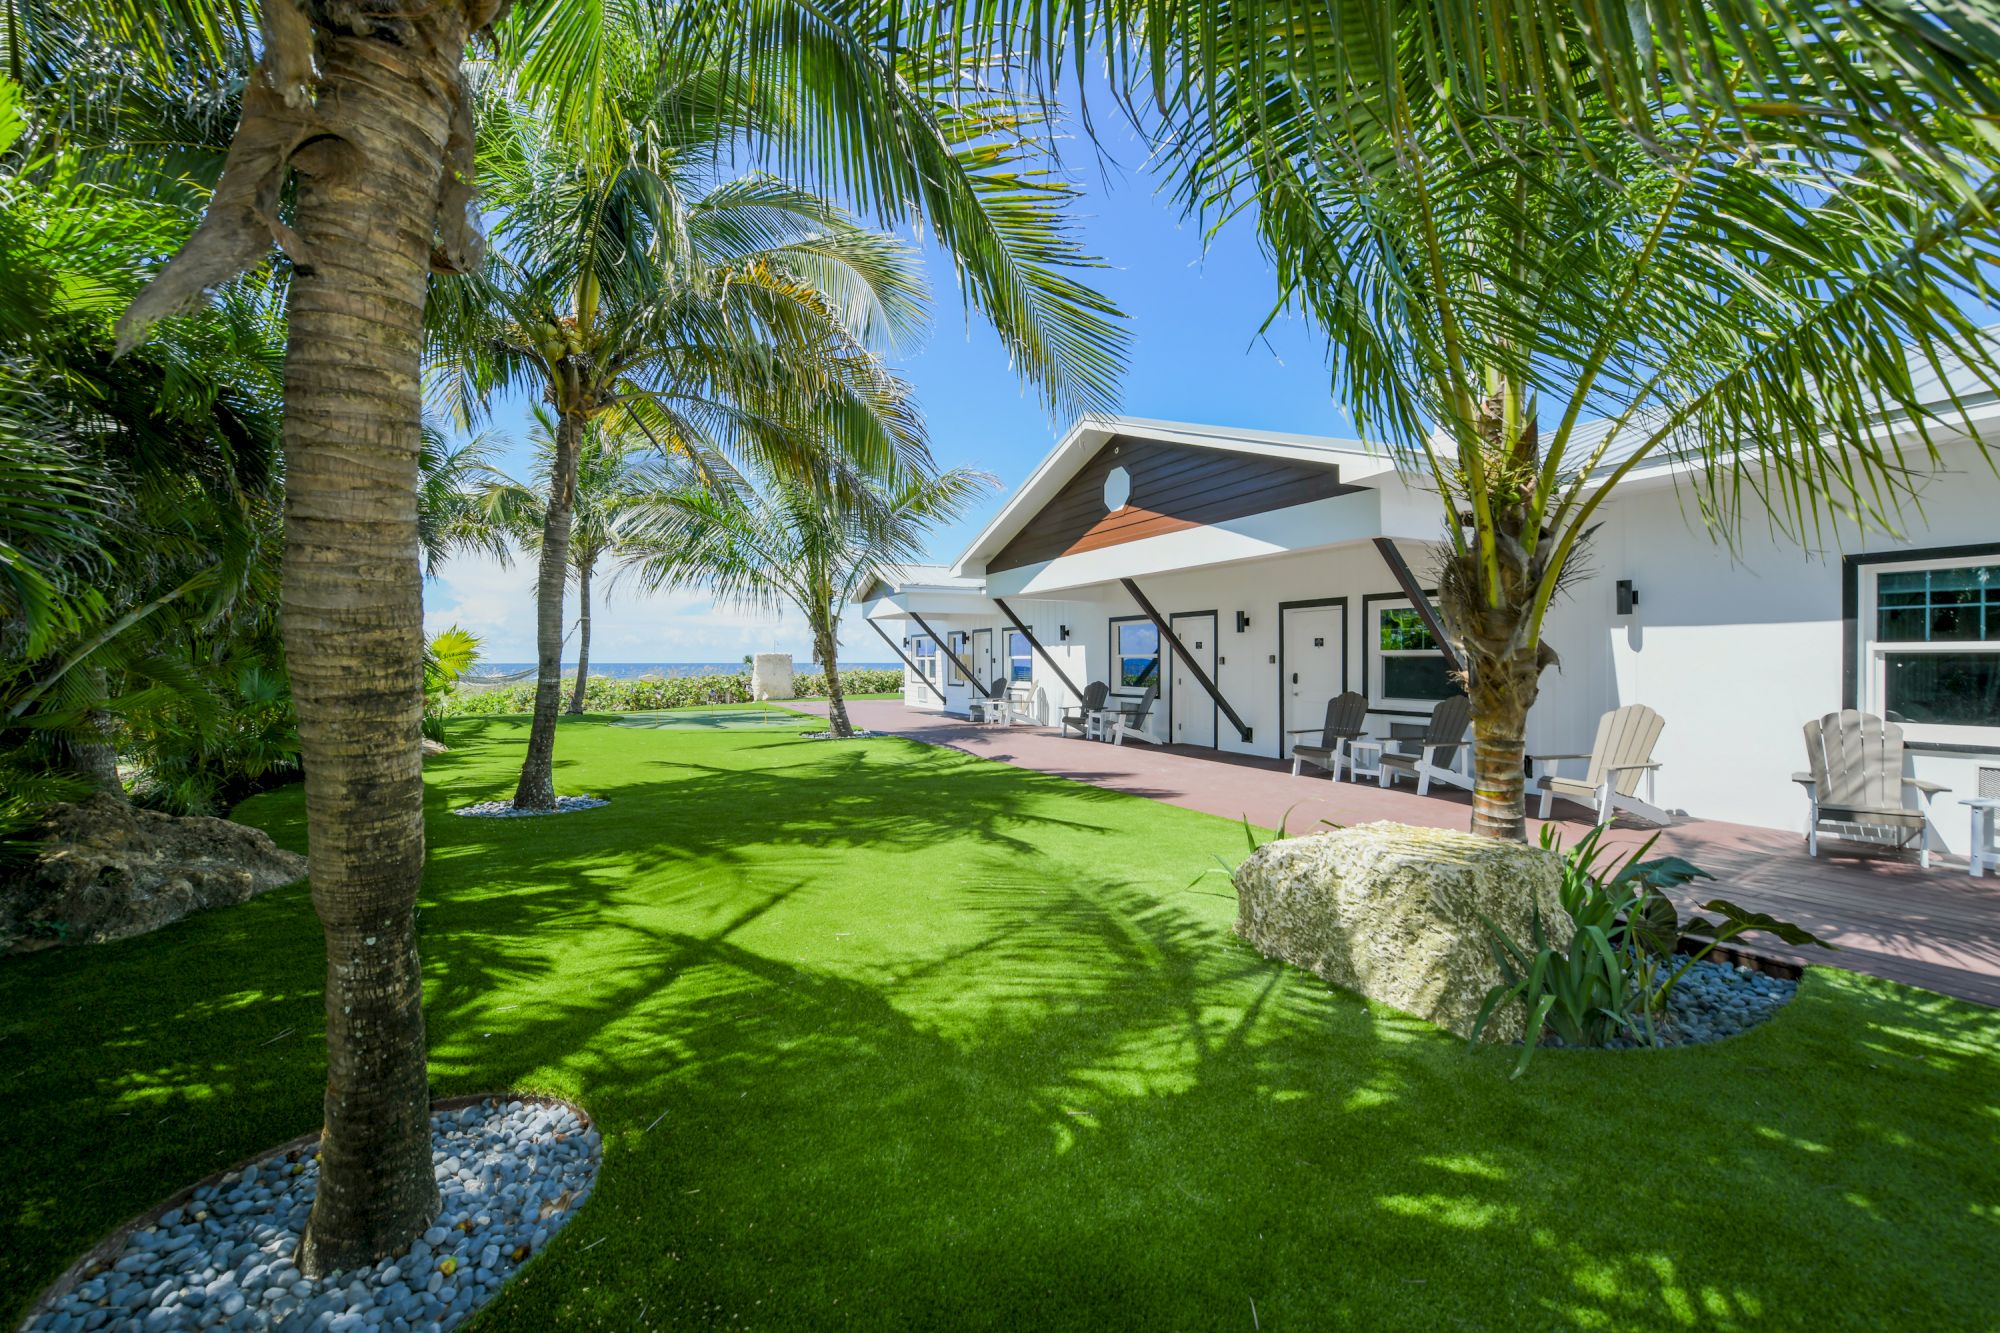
x=881 y=1035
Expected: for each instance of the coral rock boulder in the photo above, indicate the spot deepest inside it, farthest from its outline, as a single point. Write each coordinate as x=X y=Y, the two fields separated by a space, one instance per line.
x=1394 y=913
x=106 y=870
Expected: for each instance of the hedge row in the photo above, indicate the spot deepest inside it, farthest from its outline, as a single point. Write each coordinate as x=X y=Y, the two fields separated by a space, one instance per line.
x=603 y=695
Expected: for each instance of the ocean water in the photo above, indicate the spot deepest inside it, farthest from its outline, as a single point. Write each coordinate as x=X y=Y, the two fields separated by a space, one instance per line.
x=635 y=670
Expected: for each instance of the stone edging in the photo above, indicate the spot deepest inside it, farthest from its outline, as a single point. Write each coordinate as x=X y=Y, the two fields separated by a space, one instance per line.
x=102 y=1254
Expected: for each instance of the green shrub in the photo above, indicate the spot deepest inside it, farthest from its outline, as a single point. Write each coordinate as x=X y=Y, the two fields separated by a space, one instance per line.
x=603 y=695
x=1626 y=955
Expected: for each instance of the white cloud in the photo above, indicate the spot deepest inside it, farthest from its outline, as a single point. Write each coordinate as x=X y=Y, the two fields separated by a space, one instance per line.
x=496 y=602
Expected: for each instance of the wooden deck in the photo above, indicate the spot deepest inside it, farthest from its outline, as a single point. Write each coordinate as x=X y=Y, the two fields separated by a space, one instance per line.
x=1939 y=929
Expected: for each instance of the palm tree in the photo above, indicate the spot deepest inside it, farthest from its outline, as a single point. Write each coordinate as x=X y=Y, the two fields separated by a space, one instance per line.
x=450 y=518
x=360 y=119
x=1766 y=316
x=704 y=314
x=813 y=542
x=365 y=106
x=615 y=475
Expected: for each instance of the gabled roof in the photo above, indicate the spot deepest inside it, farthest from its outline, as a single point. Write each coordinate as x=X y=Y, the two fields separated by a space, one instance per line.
x=1081 y=442
x=918 y=578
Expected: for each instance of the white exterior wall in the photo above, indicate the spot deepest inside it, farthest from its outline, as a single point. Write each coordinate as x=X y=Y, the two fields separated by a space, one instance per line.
x=1248 y=673
x=1735 y=650
x=1043 y=698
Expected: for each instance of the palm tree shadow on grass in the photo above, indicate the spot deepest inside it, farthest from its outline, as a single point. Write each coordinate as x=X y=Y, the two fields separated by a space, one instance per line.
x=944 y=1047
x=1077 y=1095
x=1082 y=1113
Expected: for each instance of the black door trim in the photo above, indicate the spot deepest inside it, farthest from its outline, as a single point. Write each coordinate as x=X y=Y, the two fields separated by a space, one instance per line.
x=1214 y=712
x=1308 y=604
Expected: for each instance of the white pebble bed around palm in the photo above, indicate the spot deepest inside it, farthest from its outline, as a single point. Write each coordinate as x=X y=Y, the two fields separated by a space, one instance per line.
x=510 y=1174
x=859 y=735
x=505 y=809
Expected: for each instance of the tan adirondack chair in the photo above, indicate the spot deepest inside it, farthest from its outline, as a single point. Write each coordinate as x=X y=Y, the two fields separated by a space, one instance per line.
x=1854 y=782
x=1621 y=755
x=1437 y=751
x=1345 y=714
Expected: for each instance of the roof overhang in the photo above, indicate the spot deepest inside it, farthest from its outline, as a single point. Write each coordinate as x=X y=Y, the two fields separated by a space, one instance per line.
x=1089 y=434
x=900 y=603
x=1342 y=520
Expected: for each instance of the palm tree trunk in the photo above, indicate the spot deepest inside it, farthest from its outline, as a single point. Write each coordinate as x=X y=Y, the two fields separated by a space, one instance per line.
x=582 y=638
x=828 y=652
x=93 y=751
x=353 y=607
x=1489 y=609
x=96 y=760
x=537 y=788
x=1499 y=735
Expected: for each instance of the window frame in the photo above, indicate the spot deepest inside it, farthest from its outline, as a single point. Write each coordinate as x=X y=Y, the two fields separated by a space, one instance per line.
x=957 y=639
x=1020 y=665
x=1116 y=671
x=927 y=661
x=1866 y=673
x=1374 y=656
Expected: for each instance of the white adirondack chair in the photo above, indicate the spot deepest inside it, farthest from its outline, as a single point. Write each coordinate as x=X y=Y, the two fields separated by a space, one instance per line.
x=1437 y=756
x=1854 y=781
x=1620 y=756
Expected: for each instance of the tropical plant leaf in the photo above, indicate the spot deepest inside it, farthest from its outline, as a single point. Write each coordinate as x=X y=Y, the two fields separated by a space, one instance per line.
x=1654 y=924
x=1664 y=872
x=1739 y=920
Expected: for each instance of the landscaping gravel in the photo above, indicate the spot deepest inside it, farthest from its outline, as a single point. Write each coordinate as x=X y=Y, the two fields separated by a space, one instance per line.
x=506 y=810
x=1716 y=1000
x=859 y=735
x=510 y=1175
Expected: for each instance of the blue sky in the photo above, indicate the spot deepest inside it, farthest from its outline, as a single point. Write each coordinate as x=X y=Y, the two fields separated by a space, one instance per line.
x=1195 y=311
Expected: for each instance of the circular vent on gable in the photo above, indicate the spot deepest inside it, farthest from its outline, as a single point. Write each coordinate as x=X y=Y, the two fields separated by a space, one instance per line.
x=1117 y=488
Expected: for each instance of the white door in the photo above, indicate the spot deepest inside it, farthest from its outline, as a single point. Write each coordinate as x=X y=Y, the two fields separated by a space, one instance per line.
x=1193 y=707
x=1313 y=650
x=981 y=659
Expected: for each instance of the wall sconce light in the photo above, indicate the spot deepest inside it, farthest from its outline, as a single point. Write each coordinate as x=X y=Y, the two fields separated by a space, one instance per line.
x=1062 y=633
x=1628 y=597
x=1242 y=621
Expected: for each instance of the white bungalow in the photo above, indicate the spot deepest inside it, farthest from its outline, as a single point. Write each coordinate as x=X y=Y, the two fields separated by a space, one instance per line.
x=1257 y=574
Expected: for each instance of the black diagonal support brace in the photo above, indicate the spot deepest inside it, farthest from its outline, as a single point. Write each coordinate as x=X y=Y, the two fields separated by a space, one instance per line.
x=915 y=670
x=1168 y=636
x=1413 y=590
x=944 y=646
x=1036 y=644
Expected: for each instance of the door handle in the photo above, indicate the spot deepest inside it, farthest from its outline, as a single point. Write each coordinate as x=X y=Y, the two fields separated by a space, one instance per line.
x=1295 y=678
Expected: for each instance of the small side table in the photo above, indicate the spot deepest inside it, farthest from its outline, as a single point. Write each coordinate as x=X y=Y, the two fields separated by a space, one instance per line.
x=1984 y=852
x=1098 y=723
x=1364 y=759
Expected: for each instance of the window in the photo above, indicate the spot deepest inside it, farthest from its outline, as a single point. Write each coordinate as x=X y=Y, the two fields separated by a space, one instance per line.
x=924 y=649
x=957 y=640
x=1020 y=657
x=1135 y=653
x=1932 y=657
x=1410 y=667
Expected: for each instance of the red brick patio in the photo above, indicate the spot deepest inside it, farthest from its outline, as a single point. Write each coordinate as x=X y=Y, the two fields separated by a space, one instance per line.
x=1939 y=929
